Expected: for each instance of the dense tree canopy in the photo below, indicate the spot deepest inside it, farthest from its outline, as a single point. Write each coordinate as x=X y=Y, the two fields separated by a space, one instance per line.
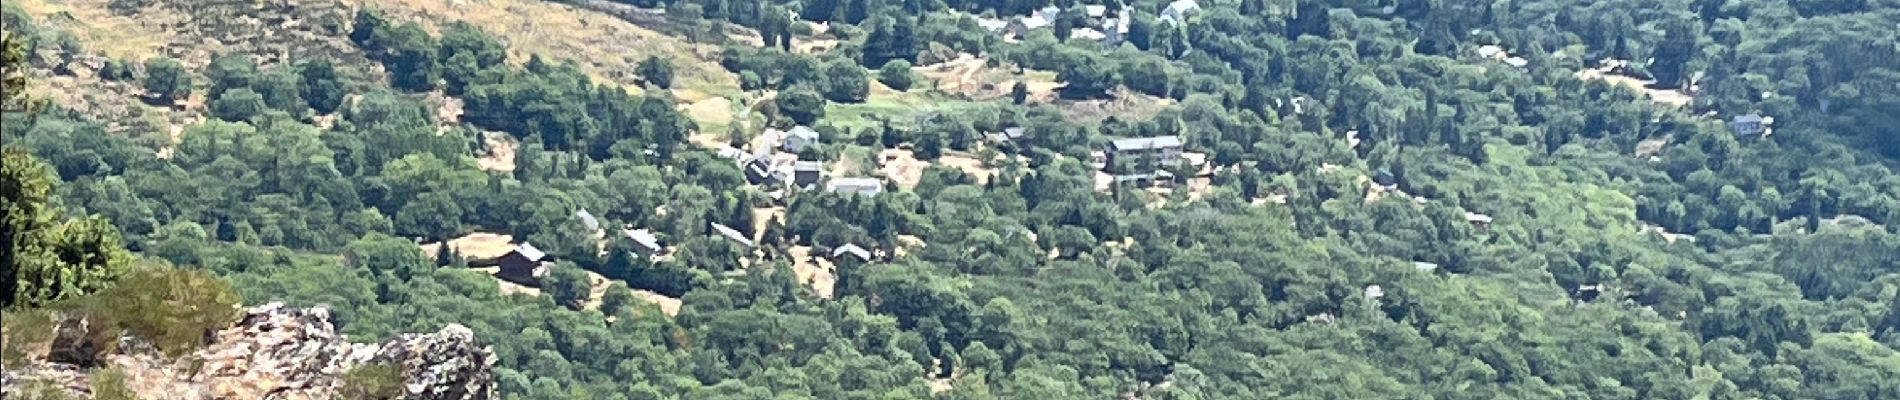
x=1395 y=210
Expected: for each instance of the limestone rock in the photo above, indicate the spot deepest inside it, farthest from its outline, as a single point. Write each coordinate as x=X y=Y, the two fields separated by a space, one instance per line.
x=272 y=352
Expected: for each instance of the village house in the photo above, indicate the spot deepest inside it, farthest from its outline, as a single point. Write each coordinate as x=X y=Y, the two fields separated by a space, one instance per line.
x=732 y=234
x=1142 y=155
x=524 y=265
x=1751 y=124
x=593 y=224
x=806 y=173
x=757 y=171
x=1038 y=19
x=851 y=250
x=645 y=244
x=1005 y=136
x=1179 y=11
x=793 y=140
x=1477 y=220
x=1115 y=30
x=861 y=186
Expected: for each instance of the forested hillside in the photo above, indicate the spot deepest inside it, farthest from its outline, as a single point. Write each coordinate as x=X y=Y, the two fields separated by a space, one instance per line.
x=1007 y=199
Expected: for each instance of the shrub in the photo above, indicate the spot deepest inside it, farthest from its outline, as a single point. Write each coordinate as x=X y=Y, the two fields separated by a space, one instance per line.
x=109 y=384
x=371 y=382
x=24 y=329
x=174 y=309
x=897 y=75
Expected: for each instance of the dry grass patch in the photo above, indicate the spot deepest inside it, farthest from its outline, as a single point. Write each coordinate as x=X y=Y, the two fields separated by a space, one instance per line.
x=475 y=246
x=972 y=77
x=969 y=165
x=812 y=270
x=901 y=166
x=606 y=47
x=130 y=37
x=1664 y=96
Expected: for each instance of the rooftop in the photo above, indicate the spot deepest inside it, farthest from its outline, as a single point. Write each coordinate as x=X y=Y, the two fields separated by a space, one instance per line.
x=803 y=166
x=853 y=249
x=1145 y=143
x=644 y=238
x=801 y=131
x=859 y=184
x=528 y=251
x=732 y=234
x=593 y=224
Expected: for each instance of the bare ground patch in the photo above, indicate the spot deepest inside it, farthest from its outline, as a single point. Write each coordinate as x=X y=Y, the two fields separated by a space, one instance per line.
x=901 y=166
x=606 y=47
x=501 y=152
x=475 y=246
x=972 y=77
x=1664 y=96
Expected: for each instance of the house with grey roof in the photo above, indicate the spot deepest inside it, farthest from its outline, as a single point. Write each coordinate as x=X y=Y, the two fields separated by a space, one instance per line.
x=1477 y=220
x=1006 y=135
x=795 y=139
x=524 y=265
x=1750 y=124
x=861 y=186
x=852 y=250
x=732 y=234
x=645 y=243
x=806 y=173
x=1142 y=155
x=1179 y=11
x=1041 y=18
x=593 y=224
x=757 y=171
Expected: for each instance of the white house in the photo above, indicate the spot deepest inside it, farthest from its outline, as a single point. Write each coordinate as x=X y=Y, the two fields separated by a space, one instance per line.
x=796 y=139
x=1751 y=124
x=1179 y=11
x=862 y=186
x=593 y=224
x=853 y=250
x=732 y=234
x=645 y=243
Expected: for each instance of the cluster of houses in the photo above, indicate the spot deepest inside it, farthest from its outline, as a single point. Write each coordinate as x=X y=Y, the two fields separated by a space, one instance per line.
x=777 y=164
x=1099 y=24
x=526 y=265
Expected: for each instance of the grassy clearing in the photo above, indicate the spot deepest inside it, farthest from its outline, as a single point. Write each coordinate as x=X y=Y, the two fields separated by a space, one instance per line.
x=100 y=30
x=606 y=47
x=900 y=108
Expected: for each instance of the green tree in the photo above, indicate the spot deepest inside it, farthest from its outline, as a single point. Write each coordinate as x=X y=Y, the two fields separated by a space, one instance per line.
x=802 y=105
x=230 y=71
x=48 y=257
x=657 y=71
x=410 y=55
x=845 y=82
x=384 y=254
x=617 y=299
x=281 y=91
x=897 y=75
x=568 y=285
x=320 y=85
x=238 y=105
x=166 y=79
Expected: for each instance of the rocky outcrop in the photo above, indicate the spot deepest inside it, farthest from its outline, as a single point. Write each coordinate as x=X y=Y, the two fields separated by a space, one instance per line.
x=274 y=352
